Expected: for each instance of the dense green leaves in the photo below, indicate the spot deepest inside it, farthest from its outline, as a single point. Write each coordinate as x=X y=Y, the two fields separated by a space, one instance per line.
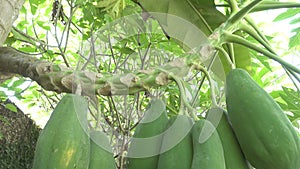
x=291 y=14
x=290 y=103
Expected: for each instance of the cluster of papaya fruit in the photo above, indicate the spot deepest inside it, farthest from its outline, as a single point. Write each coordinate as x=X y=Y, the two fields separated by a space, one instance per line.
x=67 y=143
x=253 y=132
x=180 y=143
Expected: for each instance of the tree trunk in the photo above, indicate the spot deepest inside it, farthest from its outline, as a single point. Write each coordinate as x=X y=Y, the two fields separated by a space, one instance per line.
x=9 y=11
x=18 y=137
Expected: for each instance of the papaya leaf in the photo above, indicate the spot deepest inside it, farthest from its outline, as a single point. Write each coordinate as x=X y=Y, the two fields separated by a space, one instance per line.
x=201 y=13
x=174 y=17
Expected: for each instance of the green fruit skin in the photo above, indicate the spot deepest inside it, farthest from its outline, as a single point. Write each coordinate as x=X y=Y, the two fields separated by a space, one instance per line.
x=207 y=153
x=101 y=155
x=176 y=149
x=144 y=155
x=264 y=132
x=234 y=157
x=64 y=142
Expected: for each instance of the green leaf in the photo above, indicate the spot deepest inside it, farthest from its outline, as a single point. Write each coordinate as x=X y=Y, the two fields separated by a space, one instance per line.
x=192 y=11
x=291 y=98
x=3 y=96
x=43 y=25
x=17 y=83
x=264 y=60
x=33 y=6
x=11 y=107
x=295 y=40
x=105 y=3
x=295 y=21
x=31 y=105
x=276 y=94
x=127 y=50
x=287 y=14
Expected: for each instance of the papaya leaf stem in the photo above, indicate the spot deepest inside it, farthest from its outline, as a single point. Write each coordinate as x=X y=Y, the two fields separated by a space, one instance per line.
x=183 y=98
x=239 y=40
x=256 y=36
x=243 y=12
x=267 y=5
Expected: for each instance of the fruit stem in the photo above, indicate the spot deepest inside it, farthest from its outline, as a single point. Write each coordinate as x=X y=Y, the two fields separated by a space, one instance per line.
x=212 y=93
x=227 y=57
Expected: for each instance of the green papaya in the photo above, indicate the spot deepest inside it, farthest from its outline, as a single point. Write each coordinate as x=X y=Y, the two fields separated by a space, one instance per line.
x=176 y=149
x=267 y=137
x=234 y=157
x=64 y=142
x=101 y=154
x=145 y=144
x=207 y=147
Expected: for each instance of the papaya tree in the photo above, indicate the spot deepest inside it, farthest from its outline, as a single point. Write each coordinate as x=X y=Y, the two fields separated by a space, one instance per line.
x=121 y=55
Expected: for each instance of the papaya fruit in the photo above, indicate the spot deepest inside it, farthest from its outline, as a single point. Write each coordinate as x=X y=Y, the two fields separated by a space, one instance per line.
x=64 y=142
x=267 y=137
x=145 y=145
x=176 y=149
x=101 y=154
x=234 y=157
x=207 y=147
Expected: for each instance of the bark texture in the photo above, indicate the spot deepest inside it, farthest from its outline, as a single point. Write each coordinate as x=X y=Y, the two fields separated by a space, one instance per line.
x=9 y=11
x=19 y=135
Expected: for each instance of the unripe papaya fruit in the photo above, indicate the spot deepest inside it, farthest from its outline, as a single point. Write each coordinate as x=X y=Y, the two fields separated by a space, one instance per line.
x=267 y=137
x=145 y=144
x=176 y=148
x=64 y=142
x=234 y=157
x=101 y=155
x=207 y=147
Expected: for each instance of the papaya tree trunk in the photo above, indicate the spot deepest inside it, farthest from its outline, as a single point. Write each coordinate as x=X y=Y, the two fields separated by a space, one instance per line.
x=60 y=78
